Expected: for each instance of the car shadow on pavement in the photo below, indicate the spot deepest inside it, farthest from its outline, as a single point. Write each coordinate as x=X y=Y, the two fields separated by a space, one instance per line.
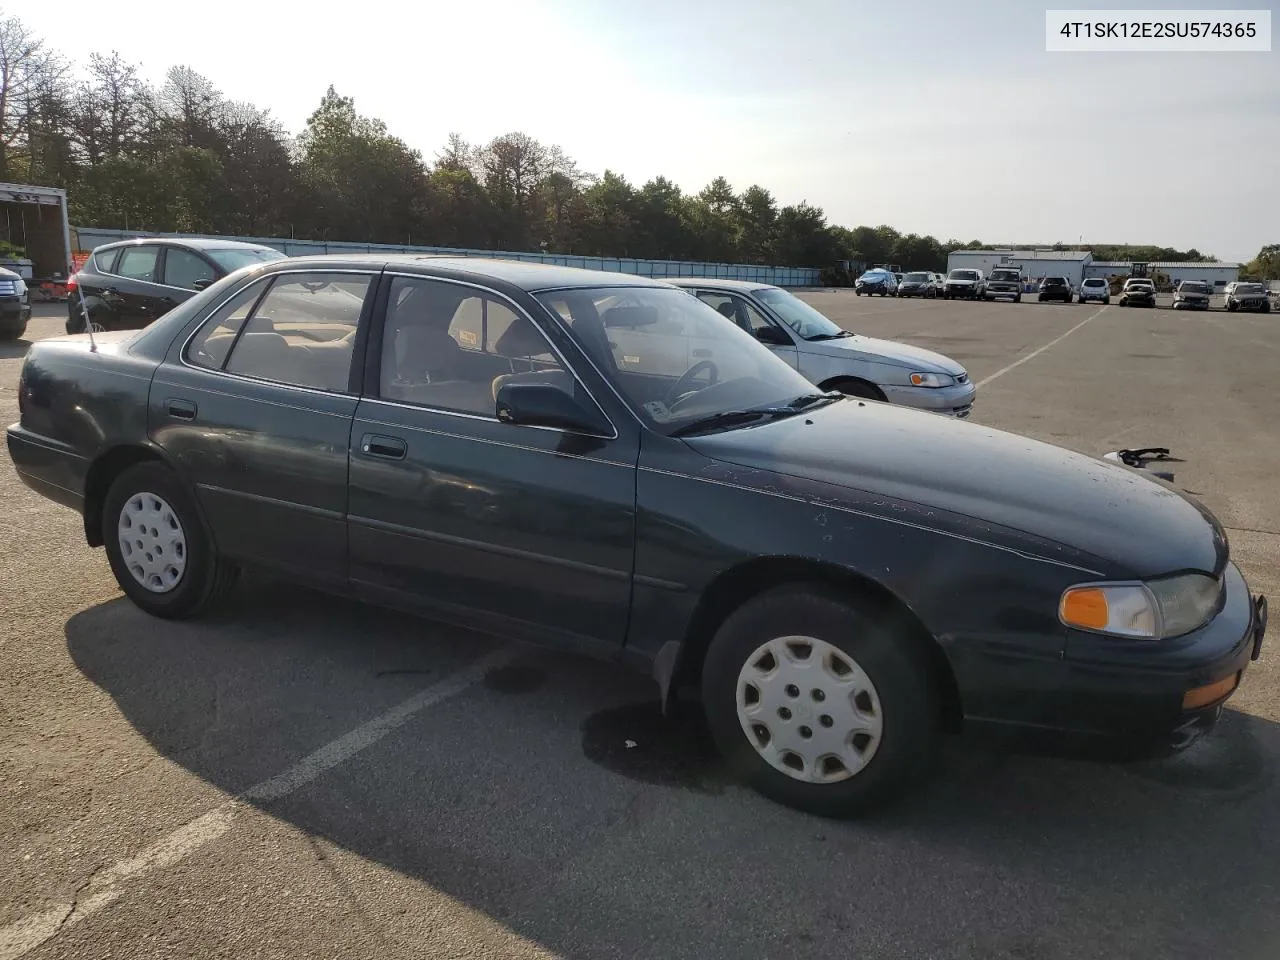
x=556 y=799
x=14 y=349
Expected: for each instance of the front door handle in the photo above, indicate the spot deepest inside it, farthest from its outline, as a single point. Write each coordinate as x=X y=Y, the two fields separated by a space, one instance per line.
x=702 y=353
x=385 y=448
x=181 y=409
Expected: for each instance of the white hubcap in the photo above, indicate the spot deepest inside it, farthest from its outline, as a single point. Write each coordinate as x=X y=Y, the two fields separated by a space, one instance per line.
x=809 y=709
x=152 y=542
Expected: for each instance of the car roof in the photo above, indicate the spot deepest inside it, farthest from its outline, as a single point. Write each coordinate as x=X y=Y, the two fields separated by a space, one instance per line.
x=524 y=275
x=193 y=243
x=712 y=283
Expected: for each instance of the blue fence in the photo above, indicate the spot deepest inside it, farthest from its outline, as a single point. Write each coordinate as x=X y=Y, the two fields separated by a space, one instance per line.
x=90 y=237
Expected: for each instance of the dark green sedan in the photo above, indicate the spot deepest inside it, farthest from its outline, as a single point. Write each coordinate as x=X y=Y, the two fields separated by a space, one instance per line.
x=604 y=463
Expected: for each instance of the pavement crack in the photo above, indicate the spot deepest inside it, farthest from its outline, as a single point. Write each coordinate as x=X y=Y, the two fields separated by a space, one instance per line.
x=1272 y=533
x=80 y=888
x=345 y=889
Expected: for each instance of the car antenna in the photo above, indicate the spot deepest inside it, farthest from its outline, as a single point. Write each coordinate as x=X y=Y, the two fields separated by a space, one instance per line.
x=88 y=325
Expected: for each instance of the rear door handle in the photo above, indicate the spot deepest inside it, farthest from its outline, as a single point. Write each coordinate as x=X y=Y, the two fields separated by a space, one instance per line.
x=181 y=409
x=385 y=448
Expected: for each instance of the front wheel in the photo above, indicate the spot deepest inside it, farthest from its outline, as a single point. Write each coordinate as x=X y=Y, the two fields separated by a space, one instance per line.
x=820 y=703
x=156 y=543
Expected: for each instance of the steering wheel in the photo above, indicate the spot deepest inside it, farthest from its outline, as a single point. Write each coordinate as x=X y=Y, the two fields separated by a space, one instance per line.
x=680 y=388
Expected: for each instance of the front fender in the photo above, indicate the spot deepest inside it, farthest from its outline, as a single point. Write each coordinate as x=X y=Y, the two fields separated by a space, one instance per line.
x=988 y=597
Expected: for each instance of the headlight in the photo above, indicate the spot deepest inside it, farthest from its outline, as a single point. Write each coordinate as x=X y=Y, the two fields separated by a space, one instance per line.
x=1155 y=609
x=20 y=286
x=932 y=380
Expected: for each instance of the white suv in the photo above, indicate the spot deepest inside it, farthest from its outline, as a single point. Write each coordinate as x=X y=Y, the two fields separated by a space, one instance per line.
x=1095 y=288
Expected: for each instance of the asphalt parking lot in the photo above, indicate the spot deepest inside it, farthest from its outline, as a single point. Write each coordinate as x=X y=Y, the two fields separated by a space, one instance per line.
x=306 y=777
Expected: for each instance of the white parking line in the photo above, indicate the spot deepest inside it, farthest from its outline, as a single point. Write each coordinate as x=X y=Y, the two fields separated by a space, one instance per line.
x=103 y=888
x=1035 y=353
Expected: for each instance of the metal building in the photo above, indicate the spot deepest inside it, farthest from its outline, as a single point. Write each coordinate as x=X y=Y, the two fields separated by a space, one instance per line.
x=1035 y=264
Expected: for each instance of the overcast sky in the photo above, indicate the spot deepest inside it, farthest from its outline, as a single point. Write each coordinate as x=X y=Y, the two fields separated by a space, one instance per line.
x=940 y=118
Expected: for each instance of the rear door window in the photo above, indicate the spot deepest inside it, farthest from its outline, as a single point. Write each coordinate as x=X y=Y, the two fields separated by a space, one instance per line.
x=139 y=263
x=303 y=331
x=105 y=260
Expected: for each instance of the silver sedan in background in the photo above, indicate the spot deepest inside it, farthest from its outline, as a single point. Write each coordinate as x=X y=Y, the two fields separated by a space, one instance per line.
x=833 y=358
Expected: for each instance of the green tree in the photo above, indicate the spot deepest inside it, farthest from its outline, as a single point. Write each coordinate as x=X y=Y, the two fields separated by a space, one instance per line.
x=358 y=182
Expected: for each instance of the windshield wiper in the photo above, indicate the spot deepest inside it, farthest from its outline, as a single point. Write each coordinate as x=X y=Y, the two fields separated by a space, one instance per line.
x=809 y=399
x=830 y=336
x=733 y=418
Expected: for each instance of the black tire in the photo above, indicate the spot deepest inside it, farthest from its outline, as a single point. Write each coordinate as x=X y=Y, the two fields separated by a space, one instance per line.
x=891 y=658
x=1018 y=298
x=13 y=333
x=1231 y=307
x=1266 y=308
x=1106 y=300
x=206 y=577
x=857 y=292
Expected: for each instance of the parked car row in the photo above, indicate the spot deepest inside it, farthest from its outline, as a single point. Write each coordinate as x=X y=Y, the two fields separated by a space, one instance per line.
x=608 y=464
x=1005 y=282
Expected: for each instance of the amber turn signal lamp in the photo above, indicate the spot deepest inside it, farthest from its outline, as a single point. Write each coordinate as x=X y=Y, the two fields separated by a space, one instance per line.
x=1210 y=693
x=1085 y=607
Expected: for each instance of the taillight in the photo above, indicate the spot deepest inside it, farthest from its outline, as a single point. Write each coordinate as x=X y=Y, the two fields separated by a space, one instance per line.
x=72 y=282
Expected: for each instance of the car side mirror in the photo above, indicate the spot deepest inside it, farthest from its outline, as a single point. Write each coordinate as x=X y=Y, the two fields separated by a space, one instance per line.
x=546 y=405
x=773 y=335
x=202 y=283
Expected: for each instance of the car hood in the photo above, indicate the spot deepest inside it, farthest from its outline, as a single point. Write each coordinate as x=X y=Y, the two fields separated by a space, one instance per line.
x=962 y=281
x=885 y=351
x=879 y=457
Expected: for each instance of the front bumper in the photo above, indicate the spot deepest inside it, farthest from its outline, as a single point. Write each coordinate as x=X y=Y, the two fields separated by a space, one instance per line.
x=14 y=313
x=1133 y=690
x=1190 y=304
x=995 y=293
x=1250 y=304
x=960 y=290
x=956 y=401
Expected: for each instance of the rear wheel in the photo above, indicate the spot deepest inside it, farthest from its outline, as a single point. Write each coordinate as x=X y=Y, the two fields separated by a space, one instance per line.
x=820 y=703
x=160 y=553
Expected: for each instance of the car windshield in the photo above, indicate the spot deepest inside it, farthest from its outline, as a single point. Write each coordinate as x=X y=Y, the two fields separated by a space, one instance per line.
x=231 y=259
x=677 y=361
x=1054 y=281
x=1095 y=283
x=1004 y=275
x=1140 y=283
x=877 y=275
x=807 y=322
x=1249 y=288
x=964 y=274
x=916 y=277
x=1194 y=288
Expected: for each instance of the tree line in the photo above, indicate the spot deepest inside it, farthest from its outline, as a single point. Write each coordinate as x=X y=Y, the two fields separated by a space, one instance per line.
x=181 y=157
